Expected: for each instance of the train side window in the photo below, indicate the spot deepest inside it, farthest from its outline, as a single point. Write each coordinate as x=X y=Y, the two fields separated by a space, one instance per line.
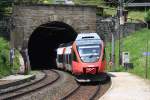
x=74 y=56
x=67 y=58
x=70 y=59
x=64 y=58
x=60 y=58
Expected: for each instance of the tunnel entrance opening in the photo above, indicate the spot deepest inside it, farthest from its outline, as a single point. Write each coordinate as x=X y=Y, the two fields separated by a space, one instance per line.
x=45 y=40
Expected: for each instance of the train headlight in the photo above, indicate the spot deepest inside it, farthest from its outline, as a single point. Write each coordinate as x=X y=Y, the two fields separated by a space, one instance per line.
x=91 y=66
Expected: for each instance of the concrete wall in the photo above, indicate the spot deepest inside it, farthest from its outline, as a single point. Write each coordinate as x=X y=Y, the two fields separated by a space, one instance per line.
x=26 y=18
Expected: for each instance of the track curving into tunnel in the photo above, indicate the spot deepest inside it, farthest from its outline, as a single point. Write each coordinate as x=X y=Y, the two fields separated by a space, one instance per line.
x=45 y=40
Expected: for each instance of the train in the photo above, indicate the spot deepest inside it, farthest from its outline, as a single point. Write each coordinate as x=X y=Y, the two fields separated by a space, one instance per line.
x=83 y=57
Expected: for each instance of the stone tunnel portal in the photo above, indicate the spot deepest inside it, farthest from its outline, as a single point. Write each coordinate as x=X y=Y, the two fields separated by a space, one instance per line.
x=45 y=40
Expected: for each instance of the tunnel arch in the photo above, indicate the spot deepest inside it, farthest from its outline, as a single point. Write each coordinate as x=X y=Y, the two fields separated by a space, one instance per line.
x=44 y=41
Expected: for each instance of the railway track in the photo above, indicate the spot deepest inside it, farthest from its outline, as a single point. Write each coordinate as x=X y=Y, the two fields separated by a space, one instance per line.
x=35 y=86
x=86 y=92
x=39 y=77
x=95 y=93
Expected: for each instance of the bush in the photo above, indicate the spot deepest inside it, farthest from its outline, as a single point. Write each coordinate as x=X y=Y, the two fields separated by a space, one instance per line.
x=5 y=68
x=147 y=16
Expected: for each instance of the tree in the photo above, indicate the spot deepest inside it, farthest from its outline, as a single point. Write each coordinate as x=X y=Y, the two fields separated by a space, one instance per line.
x=4 y=5
x=31 y=1
x=147 y=18
x=129 y=1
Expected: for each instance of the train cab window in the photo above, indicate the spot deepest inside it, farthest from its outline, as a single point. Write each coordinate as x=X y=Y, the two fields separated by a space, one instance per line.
x=89 y=53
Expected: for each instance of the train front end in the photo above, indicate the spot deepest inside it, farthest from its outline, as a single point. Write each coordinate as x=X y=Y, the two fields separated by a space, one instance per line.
x=90 y=55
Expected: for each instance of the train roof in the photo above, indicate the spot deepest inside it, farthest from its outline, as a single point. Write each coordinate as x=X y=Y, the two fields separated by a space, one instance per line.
x=65 y=44
x=88 y=36
x=84 y=39
x=88 y=39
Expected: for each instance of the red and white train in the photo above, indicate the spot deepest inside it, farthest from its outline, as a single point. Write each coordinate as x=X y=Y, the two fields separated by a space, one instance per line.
x=86 y=55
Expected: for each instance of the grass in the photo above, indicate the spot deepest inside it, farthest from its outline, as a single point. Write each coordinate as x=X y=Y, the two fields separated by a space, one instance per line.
x=50 y=1
x=136 y=15
x=110 y=11
x=89 y=2
x=132 y=14
x=135 y=44
x=5 y=68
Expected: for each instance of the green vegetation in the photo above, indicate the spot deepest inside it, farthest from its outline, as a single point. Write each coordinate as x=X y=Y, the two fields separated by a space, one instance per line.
x=132 y=14
x=147 y=16
x=135 y=14
x=5 y=6
x=111 y=10
x=135 y=44
x=89 y=2
x=50 y=1
x=5 y=68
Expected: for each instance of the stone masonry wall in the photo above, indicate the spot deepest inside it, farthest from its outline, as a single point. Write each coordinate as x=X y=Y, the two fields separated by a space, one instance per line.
x=26 y=18
x=106 y=27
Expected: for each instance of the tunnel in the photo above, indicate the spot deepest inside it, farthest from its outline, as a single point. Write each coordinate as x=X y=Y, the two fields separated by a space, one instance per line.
x=44 y=42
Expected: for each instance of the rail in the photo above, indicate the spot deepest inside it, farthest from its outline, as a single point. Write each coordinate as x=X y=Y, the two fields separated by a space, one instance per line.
x=31 y=87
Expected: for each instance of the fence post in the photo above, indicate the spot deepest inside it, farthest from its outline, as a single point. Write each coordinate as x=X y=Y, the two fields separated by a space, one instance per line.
x=146 y=61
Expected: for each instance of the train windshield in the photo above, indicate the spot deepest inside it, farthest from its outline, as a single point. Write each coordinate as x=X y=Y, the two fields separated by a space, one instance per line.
x=89 y=53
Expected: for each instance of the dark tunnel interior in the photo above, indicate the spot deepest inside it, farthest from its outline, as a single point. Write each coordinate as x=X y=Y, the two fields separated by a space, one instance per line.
x=45 y=40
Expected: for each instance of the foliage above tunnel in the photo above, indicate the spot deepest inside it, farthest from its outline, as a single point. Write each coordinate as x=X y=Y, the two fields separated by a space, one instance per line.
x=6 y=5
